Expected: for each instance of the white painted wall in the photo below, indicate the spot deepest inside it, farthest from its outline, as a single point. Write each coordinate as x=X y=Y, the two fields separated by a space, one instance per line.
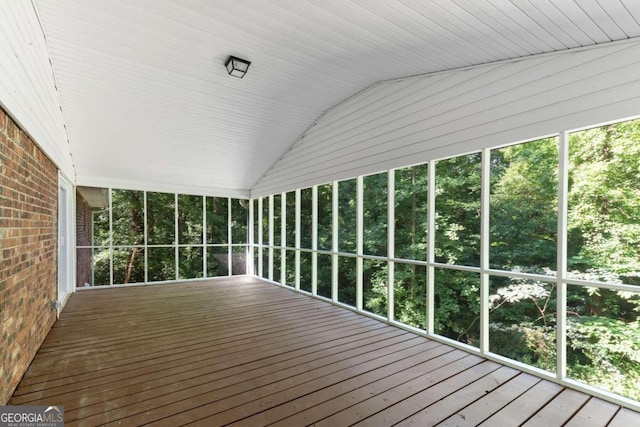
x=27 y=86
x=410 y=121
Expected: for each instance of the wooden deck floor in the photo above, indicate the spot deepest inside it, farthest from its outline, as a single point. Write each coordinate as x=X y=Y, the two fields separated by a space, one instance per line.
x=243 y=352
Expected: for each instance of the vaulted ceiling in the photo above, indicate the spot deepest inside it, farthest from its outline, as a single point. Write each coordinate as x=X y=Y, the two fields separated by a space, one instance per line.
x=148 y=103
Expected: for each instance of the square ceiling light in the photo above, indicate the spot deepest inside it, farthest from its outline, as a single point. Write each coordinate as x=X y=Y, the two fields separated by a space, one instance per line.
x=237 y=67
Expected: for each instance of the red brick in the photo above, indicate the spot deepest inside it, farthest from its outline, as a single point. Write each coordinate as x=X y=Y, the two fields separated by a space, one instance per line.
x=28 y=186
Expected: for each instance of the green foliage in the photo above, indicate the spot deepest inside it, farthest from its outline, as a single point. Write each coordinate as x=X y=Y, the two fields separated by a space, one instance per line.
x=457 y=305
x=375 y=214
x=410 y=295
x=306 y=217
x=523 y=205
x=375 y=278
x=290 y=226
x=347 y=280
x=604 y=231
x=190 y=262
x=128 y=217
x=604 y=207
x=347 y=216
x=305 y=271
x=265 y=218
x=325 y=206
x=189 y=219
x=125 y=257
x=457 y=214
x=277 y=222
x=161 y=218
x=324 y=275
x=239 y=221
x=522 y=321
x=605 y=353
x=411 y=206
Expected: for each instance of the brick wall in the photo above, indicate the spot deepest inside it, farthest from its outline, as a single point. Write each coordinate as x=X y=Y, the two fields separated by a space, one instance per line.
x=28 y=251
x=83 y=238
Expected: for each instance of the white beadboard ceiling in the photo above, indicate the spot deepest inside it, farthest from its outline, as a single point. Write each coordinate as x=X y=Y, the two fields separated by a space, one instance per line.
x=148 y=104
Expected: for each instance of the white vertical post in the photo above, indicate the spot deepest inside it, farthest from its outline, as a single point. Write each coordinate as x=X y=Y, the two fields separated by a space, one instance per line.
x=93 y=249
x=391 y=244
x=270 y=260
x=314 y=240
x=431 y=239
x=110 y=236
x=204 y=236
x=260 y=239
x=283 y=239
x=359 y=240
x=334 y=236
x=485 y=198
x=229 y=236
x=250 y=240
x=563 y=209
x=175 y=240
x=297 y=253
x=146 y=239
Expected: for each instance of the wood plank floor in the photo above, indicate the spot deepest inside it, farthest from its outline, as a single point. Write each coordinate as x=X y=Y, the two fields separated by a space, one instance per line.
x=243 y=352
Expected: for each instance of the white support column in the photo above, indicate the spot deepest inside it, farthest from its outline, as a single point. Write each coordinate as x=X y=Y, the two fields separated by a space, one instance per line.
x=359 y=240
x=563 y=209
x=391 y=242
x=110 y=237
x=484 y=250
x=314 y=240
x=334 y=236
x=297 y=253
x=283 y=236
x=146 y=239
x=431 y=239
x=229 y=236
x=204 y=236
x=250 y=240
x=270 y=260
x=175 y=240
x=260 y=239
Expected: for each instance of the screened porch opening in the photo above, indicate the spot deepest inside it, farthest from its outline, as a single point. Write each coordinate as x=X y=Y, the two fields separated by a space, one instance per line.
x=524 y=254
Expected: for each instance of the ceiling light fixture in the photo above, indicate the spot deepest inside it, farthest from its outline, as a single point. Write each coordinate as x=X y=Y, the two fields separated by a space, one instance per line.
x=237 y=67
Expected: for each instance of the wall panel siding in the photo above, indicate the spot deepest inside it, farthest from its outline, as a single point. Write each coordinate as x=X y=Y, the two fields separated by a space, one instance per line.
x=414 y=120
x=27 y=86
x=28 y=251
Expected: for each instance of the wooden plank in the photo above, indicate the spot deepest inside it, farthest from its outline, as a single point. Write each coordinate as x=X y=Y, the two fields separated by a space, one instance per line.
x=314 y=406
x=596 y=412
x=221 y=333
x=282 y=400
x=127 y=352
x=433 y=414
x=525 y=405
x=424 y=398
x=214 y=377
x=483 y=408
x=559 y=410
x=198 y=371
x=220 y=408
x=105 y=326
x=440 y=378
x=625 y=418
x=138 y=326
x=240 y=351
x=146 y=363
